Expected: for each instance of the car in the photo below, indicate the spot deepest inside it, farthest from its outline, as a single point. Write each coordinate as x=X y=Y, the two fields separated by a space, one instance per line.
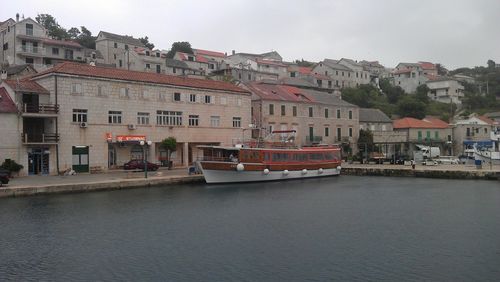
x=4 y=177
x=139 y=164
x=448 y=160
x=400 y=160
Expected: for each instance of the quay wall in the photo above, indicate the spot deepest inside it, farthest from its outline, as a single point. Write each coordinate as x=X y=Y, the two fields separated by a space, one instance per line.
x=446 y=174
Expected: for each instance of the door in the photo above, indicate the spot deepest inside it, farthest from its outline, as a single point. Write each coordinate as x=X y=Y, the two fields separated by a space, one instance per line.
x=38 y=161
x=111 y=156
x=80 y=158
x=311 y=134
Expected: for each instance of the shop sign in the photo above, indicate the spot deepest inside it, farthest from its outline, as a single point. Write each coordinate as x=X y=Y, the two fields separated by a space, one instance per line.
x=130 y=138
x=109 y=137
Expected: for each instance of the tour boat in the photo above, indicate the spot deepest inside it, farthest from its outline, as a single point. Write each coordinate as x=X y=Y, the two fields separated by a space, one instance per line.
x=252 y=164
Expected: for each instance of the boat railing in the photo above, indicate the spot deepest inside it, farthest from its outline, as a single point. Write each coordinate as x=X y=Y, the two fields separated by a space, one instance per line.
x=215 y=159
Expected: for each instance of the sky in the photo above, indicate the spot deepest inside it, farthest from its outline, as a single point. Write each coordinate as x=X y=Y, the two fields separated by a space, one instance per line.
x=455 y=33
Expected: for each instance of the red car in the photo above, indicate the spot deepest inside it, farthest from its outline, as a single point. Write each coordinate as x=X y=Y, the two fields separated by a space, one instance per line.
x=139 y=164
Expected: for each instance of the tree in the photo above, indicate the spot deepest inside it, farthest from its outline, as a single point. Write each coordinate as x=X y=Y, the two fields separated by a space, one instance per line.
x=53 y=28
x=169 y=144
x=74 y=33
x=441 y=69
x=145 y=41
x=491 y=64
x=365 y=142
x=182 y=46
x=86 y=39
x=363 y=96
x=303 y=63
x=411 y=107
x=421 y=93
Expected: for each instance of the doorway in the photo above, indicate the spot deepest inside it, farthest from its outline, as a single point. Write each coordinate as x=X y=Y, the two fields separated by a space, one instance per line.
x=38 y=161
x=80 y=158
x=111 y=156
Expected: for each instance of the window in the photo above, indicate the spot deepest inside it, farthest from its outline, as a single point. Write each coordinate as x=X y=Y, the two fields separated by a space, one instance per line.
x=336 y=72
x=236 y=121
x=148 y=66
x=168 y=118
x=339 y=133
x=194 y=120
x=419 y=135
x=342 y=73
x=329 y=84
x=29 y=60
x=350 y=114
x=116 y=45
x=55 y=51
x=144 y=95
x=101 y=90
x=294 y=111
x=192 y=98
x=348 y=74
x=191 y=58
x=327 y=131
x=326 y=113
x=126 y=47
x=357 y=75
x=208 y=99
x=271 y=109
x=177 y=97
x=6 y=46
x=428 y=135
x=223 y=100
x=310 y=111
x=76 y=88
x=124 y=93
x=147 y=53
x=143 y=118
x=157 y=54
x=79 y=115
x=29 y=29
x=485 y=130
x=292 y=74
x=120 y=63
x=158 y=69
x=215 y=121
x=114 y=117
x=283 y=110
x=338 y=113
x=249 y=76
x=174 y=70
x=162 y=96
x=436 y=135
x=350 y=131
x=326 y=72
x=114 y=56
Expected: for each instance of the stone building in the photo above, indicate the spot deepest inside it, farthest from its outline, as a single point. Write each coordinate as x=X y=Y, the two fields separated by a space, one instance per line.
x=95 y=117
x=339 y=75
x=473 y=131
x=316 y=116
x=26 y=42
x=446 y=90
x=428 y=131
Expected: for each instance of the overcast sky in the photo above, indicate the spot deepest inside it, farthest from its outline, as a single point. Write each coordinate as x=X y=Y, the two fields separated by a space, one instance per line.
x=455 y=33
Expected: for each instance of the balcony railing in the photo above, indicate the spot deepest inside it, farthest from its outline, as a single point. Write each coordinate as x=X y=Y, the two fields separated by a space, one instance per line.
x=46 y=138
x=41 y=108
x=31 y=49
x=314 y=139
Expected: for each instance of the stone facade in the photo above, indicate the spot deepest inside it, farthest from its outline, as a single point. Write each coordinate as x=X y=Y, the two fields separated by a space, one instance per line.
x=472 y=130
x=446 y=91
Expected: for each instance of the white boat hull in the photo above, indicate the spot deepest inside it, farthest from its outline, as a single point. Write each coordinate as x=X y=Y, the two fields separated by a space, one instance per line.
x=487 y=157
x=234 y=176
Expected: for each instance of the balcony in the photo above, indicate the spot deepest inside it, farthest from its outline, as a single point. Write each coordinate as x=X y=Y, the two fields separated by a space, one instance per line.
x=31 y=50
x=42 y=138
x=39 y=110
x=314 y=139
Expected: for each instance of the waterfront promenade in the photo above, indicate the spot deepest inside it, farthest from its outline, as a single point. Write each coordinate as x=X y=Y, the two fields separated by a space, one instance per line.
x=118 y=179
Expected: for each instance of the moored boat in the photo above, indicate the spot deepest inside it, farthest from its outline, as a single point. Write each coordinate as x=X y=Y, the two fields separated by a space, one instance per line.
x=240 y=164
x=490 y=154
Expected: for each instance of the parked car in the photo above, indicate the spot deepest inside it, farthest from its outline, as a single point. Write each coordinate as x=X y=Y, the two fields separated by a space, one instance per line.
x=400 y=160
x=4 y=177
x=139 y=164
x=448 y=160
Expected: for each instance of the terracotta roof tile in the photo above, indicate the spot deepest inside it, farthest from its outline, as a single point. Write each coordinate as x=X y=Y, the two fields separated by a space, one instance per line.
x=111 y=73
x=486 y=119
x=409 y=122
x=209 y=53
x=25 y=85
x=427 y=65
x=305 y=70
x=6 y=103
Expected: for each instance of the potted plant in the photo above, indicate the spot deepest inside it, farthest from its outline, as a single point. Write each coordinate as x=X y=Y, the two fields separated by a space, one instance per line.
x=11 y=166
x=169 y=144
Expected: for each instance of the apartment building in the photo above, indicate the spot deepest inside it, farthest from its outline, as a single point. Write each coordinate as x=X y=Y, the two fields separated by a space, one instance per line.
x=446 y=90
x=339 y=75
x=26 y=42
x=428 y=131
x=473 y=131
x=92 y=118
x=317 y=117
x=411 y=75
x=254 y=67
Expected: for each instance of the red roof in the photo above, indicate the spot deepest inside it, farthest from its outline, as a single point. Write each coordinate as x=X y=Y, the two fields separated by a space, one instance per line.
x=305 y=70
x=6 y=103
x=402 y=71
x=432 y=77
x=487 y=120
x=279 y=92
x=198 y=58
x=25 y=85
x=61 y=42
x=428 y=122
x=427 y=65
x=209 y=53
x=121 y=74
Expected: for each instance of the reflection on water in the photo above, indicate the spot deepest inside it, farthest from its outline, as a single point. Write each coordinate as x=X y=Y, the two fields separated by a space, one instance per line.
x=341 y=228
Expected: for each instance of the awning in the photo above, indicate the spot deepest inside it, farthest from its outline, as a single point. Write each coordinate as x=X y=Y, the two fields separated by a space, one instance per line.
x=479 y=143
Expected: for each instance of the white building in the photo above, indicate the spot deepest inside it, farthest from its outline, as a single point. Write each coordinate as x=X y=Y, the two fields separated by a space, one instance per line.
x=446 y=90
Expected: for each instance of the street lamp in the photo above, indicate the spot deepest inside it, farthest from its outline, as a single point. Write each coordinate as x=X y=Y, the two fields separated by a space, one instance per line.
x=145 y=158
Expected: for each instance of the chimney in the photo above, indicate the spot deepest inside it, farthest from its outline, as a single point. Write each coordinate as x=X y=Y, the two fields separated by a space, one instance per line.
x=233 y=52
x=17 y=17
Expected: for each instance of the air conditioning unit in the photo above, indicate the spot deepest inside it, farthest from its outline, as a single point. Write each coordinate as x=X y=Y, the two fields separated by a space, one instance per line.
x=132 y=126
x=84 y=124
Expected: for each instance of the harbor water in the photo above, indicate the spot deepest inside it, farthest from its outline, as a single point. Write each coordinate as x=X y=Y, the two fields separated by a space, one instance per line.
x=343 y=228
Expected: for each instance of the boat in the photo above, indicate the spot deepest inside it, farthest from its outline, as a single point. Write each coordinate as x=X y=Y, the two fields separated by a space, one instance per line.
x=489 y=154
x=280 y=161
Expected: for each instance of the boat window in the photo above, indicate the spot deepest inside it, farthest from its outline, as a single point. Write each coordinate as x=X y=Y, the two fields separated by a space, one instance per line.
x=280 y=157
x=329 y=156
x=300 y=157
x=316 y=156
x=267 y=157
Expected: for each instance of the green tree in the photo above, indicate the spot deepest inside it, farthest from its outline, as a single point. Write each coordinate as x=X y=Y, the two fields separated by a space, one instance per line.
x=145 y=41
x=421 y=93
x=304 y=63
x=491 y=64
x=411 y=107
x=86 y=39
x=393 y=93
x=169 y=144
x=183 y=46
x=365 y=143
x=441 y=69
x=363 y=96
x=53 y=28
x=74 y=33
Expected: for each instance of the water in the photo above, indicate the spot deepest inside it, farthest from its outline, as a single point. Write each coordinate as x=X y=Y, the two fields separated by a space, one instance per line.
x=346 y=228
